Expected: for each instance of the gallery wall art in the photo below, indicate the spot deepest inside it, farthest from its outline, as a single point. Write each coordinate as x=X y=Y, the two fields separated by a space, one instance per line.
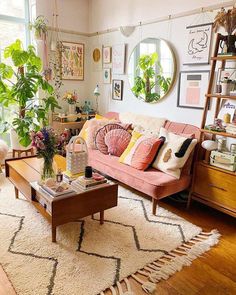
x=72 y=61
x=118 y=59
x=106 y=54
x=107 y=76
x=192 y=89
x=198 y=44
x=117 y=89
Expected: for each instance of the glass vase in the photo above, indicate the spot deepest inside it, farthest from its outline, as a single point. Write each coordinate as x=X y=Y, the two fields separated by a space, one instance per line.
x=48 y=169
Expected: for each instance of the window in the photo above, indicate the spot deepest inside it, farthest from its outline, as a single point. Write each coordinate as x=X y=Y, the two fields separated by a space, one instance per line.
x=14 y=24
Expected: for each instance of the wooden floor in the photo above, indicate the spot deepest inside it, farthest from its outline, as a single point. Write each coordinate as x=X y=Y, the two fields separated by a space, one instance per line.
x=212 y=274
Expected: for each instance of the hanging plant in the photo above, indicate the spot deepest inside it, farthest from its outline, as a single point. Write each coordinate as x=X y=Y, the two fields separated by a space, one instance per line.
x=55 y=66
x=40 y=27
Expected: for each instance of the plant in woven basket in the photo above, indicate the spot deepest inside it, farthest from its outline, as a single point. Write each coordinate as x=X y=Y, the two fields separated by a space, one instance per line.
x=227 y=19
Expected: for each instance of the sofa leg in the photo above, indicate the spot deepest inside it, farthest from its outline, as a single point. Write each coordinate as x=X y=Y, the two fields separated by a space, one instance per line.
x=154 y=206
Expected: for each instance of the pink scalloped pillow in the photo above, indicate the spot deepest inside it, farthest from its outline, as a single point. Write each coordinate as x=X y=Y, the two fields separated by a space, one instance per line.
x=101 y=133
x=117 y=141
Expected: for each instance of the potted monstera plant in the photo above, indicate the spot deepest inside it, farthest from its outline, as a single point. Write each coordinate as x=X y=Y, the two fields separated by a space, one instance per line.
x=20 y=82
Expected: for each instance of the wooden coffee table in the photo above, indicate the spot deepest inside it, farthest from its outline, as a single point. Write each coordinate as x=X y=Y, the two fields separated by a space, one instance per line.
x=24 y=174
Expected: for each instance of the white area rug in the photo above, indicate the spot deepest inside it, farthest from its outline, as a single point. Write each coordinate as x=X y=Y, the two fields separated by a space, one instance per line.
x=88 y=257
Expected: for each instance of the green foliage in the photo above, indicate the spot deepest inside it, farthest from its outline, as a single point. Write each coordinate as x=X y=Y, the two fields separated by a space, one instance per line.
x=20 y=87
x=146 y=82
x=39 y=26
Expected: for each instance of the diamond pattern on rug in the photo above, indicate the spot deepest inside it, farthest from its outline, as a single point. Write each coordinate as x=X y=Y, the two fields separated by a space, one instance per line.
x=88 y=257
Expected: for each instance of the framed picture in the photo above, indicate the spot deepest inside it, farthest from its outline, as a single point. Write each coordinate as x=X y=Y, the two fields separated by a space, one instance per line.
x=107 y=76
x=198 y=44
x=118 y=59
x=117 y=89
x=230 y=73
x=106 y=54
x=72 y=61
x=192 y=89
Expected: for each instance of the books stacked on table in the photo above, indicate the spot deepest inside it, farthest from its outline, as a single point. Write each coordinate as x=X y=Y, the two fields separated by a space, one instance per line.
x=231 y=128
x=68 y=177
x=57 y=189
x=88 y=183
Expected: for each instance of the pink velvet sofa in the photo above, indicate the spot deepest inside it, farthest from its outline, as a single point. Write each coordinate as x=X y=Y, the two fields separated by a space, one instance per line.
x=152 y=182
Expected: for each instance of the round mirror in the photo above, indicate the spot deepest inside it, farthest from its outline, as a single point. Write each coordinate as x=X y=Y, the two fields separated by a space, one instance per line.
x=152 y=69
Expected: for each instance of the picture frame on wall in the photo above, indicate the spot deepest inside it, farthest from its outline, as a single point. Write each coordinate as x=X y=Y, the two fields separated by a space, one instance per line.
x=106 y=54
x=198 y=44
x=117 y=89
x=118 y=59
x=192 y=88
x=72 y=61
x=106 y=76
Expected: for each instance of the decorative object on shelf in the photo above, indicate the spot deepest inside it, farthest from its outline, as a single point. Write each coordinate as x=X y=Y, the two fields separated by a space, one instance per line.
x=233 y=147
x=192 y=88
x=226 y=86
x=117 y=89
x=71 y=99
x=96 y=92
x=39 y=26
x=150 y=76
x=231 y=128
x=72 y=61
x=228 y=106
x=221 y=144
x=227 y=19
x=25 y=81
x=229 y=73
x=217 y=126
x=127 y=30
x=198 y=44
x=46 y=143
x=223 y=160
x=118 y=59
x=106 y=76
x=106 y=54
x=208 y=145
x=76 y=155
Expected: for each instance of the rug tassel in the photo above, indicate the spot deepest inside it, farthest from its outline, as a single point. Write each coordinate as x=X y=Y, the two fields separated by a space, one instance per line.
x=113 y=291
x=147 y=287
x=129 y=291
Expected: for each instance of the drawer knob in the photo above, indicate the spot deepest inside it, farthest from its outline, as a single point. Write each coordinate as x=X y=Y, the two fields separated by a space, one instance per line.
x=215 y=186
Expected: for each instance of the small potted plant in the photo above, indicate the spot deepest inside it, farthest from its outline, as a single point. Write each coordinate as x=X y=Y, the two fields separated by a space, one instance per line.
x=39 y=25
x=227 y=19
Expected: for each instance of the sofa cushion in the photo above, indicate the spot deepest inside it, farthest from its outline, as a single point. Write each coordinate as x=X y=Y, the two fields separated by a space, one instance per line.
x=151 y=182
x=174 y=153
x=117 y=141
x=149 y=124
x=123 y=158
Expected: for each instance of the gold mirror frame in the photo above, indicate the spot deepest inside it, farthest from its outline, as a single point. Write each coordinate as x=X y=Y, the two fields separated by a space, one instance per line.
x=174 y=70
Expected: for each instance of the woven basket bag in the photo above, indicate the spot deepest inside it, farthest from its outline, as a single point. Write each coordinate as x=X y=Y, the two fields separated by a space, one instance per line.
x=76 y=160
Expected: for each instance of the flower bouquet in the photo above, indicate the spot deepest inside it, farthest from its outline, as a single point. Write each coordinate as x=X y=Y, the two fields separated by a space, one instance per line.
x=70 y=97
x=46 y=143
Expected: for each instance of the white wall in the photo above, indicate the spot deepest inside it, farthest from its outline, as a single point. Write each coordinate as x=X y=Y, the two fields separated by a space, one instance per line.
x=73 y=14
x=105 y=14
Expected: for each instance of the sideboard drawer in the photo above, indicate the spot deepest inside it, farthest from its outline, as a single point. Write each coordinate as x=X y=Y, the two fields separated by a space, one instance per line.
x=216 y=186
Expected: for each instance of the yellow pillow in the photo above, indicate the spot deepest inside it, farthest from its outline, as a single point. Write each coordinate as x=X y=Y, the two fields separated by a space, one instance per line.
x=134 y=138
x=99 y=117
x=84 y=131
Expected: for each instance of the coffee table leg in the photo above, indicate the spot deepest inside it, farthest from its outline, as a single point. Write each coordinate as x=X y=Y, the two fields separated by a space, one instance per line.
x=54 y=234
x=101 y=217
x=16 y=193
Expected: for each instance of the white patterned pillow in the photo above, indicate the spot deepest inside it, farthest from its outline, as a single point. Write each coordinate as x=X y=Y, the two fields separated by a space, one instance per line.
x=174 y=153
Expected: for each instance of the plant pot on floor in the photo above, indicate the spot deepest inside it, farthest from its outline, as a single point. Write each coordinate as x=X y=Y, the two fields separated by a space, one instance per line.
x=15 y=144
